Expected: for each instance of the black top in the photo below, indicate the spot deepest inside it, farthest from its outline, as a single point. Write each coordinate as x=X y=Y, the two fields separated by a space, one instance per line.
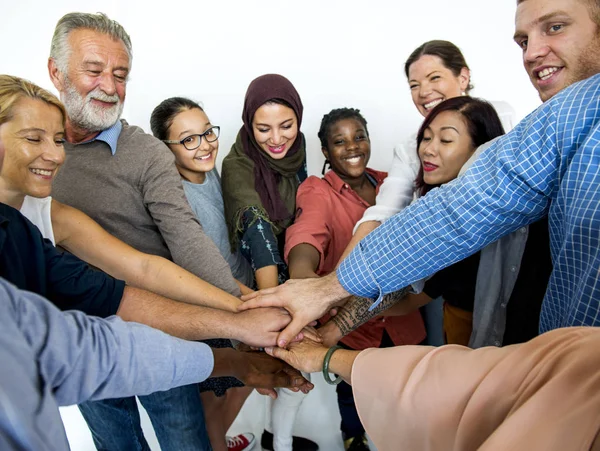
x=32 y=263
x=525 y=303
x=456 y=283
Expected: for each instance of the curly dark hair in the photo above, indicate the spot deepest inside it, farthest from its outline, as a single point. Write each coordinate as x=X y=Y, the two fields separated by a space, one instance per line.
x=331 y=118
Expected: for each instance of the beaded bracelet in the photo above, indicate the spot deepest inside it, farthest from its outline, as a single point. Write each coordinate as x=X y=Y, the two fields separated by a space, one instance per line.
x=326 y=366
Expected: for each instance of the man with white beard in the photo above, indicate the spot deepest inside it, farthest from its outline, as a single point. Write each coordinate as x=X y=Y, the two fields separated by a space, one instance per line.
x=126 y=180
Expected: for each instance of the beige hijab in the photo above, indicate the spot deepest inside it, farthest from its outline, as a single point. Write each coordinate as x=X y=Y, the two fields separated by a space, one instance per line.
x=540 y=395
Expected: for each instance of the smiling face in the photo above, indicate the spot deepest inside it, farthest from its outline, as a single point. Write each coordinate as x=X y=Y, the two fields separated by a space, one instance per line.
x=560 y=43
x=275 y=129
x=431 y=82
x=445 y=148
x=348 y=148
x=94 y=86
x=31 y=145
x=192 y=164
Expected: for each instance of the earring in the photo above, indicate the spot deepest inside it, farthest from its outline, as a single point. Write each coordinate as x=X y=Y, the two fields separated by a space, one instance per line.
x=463 y=93
x=325 y=163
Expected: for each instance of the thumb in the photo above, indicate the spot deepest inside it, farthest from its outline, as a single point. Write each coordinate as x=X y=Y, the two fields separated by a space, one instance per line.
x=292 y=330
x=279 y=353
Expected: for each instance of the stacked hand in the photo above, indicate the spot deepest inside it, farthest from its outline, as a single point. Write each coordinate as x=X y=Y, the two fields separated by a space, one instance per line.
x=256 y=369
x=305 y=300
x=306 y=355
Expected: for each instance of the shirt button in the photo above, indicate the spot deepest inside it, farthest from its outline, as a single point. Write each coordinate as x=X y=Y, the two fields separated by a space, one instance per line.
x=513 y=269
x=523 y=230
x=497 y=343
x=503 y=305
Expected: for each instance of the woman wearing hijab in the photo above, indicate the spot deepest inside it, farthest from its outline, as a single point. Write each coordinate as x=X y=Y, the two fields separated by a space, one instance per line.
x=260 y=178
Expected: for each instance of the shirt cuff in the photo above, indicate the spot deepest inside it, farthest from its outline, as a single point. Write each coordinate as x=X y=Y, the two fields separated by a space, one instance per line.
x=355 y=275
x=198 y=363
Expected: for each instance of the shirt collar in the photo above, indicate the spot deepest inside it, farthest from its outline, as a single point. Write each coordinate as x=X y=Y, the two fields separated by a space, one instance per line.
x=338 y=184
x=110 y=136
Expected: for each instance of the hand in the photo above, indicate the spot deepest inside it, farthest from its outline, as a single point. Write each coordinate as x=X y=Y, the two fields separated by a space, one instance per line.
x=307 y=355
x=330 y=334
x=256 y=369
x=309 y=332
x=306 y=300
x=260 y=327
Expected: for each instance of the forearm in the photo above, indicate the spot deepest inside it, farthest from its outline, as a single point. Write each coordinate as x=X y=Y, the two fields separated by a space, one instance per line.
x=164 y=277
x=224 y=362
x=190 y=322
x=356 y=311
x=303 y=261
x=341 y=363
x=243 y=288
x=408 y=304
x=362 y=231
x=267 y=277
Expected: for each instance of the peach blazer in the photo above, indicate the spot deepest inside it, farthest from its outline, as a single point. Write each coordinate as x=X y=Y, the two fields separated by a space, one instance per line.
x=540 y=395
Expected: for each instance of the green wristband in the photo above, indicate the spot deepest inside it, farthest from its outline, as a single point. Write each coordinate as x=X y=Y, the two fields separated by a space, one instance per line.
x=326 y=366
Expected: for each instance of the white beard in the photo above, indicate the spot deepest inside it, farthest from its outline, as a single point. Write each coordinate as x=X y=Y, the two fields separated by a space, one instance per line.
x=84 y=114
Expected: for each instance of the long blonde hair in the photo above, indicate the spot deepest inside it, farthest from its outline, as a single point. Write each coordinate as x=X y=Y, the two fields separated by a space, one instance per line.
x=13 y=89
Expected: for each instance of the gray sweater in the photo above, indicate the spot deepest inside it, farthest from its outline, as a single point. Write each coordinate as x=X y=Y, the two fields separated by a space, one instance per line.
x=50 y=358
x=206 y=200
x=137 y=196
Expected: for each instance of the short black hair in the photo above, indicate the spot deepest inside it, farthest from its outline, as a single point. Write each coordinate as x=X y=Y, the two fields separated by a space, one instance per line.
x=336 y=115
x=162 y=117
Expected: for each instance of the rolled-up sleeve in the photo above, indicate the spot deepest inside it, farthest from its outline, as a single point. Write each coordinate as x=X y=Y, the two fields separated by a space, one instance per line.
x=312 y=223
x=509 y=186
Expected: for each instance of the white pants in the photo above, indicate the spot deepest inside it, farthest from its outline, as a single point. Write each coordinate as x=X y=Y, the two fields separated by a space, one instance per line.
x=283 y=412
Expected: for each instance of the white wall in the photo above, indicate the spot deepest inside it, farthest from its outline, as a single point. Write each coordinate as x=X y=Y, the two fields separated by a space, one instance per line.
x=337 y=53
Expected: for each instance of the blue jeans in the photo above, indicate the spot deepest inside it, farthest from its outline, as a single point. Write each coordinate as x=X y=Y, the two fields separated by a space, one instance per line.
x=177 y=417
x=433 y=317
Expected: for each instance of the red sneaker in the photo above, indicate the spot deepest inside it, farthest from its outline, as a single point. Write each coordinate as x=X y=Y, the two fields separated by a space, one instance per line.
x=242 y=442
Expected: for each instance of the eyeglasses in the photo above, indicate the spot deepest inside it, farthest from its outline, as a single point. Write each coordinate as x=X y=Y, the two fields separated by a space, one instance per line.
x=192 y=142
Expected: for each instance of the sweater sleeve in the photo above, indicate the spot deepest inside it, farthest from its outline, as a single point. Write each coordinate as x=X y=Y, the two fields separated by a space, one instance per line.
x=190 y=247
x=86 y=358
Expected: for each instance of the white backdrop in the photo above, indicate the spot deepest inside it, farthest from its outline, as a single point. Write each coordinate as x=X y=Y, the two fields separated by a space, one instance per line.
x=337 y=53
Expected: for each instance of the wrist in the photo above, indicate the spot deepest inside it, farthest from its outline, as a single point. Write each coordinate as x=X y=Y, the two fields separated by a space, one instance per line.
x=334 y=291
x=326 y=369
x=234 y=328
x=224 y=362
x=330 y=333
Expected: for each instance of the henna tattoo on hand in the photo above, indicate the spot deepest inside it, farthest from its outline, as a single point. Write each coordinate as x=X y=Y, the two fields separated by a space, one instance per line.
x=356 y=311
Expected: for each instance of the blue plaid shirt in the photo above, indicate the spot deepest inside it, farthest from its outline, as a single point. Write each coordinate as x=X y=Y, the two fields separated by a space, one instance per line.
x=548 y=164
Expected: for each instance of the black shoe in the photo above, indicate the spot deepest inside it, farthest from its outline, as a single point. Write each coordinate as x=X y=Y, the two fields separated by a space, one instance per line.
x=357 y=444
x=298 y=443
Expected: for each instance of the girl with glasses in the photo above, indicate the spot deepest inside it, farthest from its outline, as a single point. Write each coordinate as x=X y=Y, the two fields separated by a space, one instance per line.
x=186 y=129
